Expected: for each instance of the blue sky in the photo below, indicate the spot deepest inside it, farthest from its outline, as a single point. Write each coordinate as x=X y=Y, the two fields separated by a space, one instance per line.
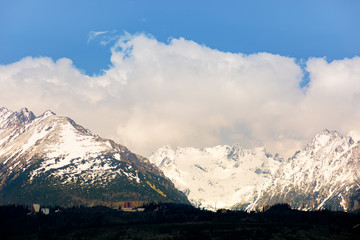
x=187 y=73
x=299 y=29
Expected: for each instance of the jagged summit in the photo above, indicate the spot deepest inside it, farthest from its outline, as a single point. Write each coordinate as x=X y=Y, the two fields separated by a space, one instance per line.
x=25 y=115
x=323 y=175
x=47 y=113
x=52 y=160
x=9 y=118
x=328 y=132
x=327 y=135
x=321 y=139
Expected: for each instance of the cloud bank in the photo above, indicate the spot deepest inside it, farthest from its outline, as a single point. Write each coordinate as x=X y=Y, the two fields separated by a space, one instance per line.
x=181 y=93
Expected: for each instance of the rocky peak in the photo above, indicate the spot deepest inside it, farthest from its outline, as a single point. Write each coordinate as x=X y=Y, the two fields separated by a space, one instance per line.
x=24 y=115
x=3 y=110
x=321 y=175
x=328 y=134
x=9 y=118
x=47 y=114
x=324 y=139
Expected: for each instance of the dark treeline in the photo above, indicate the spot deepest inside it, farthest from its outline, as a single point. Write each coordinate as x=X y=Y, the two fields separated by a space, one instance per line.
x=177 y=221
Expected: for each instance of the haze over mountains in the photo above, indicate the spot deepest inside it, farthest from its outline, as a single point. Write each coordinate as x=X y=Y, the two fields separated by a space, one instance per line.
x=51 y=160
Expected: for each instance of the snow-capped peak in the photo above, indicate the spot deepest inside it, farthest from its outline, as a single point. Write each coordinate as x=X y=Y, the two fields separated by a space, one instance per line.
x=52 y=153
x=3 y=110
x=216 y=177
x=332 y=133
x=24 y=115
x=47 y=114
x=9 y=118
x=323 y=139
x=323 y=174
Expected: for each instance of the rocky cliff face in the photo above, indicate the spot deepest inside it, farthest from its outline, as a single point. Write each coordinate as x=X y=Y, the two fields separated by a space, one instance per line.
x=51 y=160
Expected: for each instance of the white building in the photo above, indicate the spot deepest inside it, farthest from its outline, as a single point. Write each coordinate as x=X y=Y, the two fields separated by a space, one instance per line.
x=45 y=211
x=35 y=208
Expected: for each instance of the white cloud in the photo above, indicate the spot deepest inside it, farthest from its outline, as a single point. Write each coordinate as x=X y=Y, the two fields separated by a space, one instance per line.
x=103 y=37
x=183 y=93
x=94 y=34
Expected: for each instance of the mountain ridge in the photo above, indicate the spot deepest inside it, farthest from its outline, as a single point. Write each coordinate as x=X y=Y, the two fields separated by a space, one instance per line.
x=41 y=157
x=323 y=175
x=207 y=175
x=47 y=156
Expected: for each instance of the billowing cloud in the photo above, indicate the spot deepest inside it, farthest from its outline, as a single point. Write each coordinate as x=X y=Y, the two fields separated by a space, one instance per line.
x=184 y=94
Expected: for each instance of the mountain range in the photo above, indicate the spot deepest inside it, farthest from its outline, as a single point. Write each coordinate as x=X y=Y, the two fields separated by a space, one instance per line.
x=217 y=177
x=51 y=160
x=326 y=174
